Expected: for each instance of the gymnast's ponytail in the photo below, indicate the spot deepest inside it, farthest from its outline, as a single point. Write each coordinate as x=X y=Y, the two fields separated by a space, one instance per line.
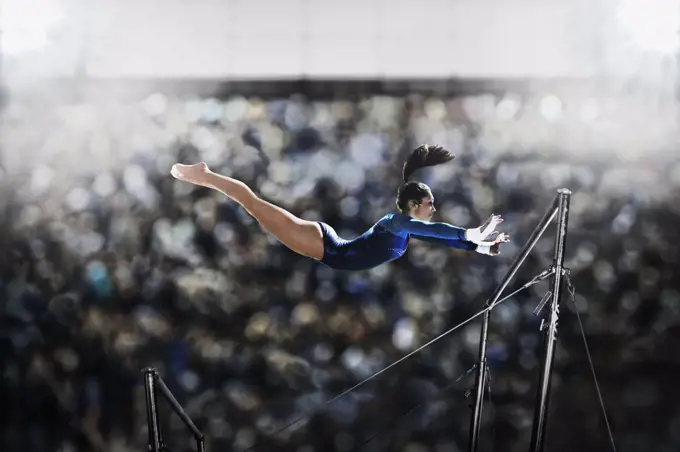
x=421 y=157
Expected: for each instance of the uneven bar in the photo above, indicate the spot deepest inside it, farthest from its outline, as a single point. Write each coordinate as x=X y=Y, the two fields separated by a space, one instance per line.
x=480 y=377
x=550 y=332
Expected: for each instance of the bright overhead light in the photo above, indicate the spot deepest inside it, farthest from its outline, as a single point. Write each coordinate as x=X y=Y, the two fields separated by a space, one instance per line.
x=651 y=25
x=26 y=24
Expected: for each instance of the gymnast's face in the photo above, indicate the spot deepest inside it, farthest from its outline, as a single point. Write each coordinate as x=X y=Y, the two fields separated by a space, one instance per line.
x=424 y=210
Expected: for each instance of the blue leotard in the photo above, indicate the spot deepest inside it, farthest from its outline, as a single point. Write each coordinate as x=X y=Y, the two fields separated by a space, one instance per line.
x=387 y=240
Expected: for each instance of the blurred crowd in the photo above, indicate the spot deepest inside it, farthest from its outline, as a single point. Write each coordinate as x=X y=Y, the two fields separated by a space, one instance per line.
x=109 y=265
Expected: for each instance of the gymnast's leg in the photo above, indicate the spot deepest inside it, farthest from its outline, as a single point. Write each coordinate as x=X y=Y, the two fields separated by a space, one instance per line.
x=302 y=236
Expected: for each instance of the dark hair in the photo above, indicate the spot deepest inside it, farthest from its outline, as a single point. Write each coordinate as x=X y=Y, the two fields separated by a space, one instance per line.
x=421 y=157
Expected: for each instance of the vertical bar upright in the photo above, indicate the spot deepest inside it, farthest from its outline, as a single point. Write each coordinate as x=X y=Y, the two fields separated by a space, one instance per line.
x=482 y=368
x=152 y=410
x=550 y=331
x=480 y=383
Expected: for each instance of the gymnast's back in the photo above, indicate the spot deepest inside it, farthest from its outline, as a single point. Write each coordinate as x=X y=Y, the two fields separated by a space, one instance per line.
x=382 y=242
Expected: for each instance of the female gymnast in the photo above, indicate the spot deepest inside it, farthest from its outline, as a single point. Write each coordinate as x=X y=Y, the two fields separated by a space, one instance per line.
x=385 y=241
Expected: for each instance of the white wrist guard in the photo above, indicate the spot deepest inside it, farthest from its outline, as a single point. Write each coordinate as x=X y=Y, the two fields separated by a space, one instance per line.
x=484 y=249
x=477 y=235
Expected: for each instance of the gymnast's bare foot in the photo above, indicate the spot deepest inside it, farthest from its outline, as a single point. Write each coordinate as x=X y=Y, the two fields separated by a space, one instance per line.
x=194 y=174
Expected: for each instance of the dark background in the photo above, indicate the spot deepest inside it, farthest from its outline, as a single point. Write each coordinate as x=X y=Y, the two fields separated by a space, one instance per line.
x=108 y=265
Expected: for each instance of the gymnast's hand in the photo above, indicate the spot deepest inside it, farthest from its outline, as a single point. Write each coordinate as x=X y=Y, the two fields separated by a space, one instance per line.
x=494 y=240
x=491 y=246
x=480 y=235
x=195 y=174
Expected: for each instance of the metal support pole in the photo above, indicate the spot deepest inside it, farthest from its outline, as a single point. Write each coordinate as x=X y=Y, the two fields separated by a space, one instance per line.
x=200 y=444
x=153 y=383
x=152 y=410
x=481 y=375
x=177 y=408
x=550 y=328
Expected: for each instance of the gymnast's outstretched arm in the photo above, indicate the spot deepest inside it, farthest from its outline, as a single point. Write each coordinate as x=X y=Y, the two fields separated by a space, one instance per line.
x=401 y=223
x=451 y=243
x=482 y=239
x=490 y=247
